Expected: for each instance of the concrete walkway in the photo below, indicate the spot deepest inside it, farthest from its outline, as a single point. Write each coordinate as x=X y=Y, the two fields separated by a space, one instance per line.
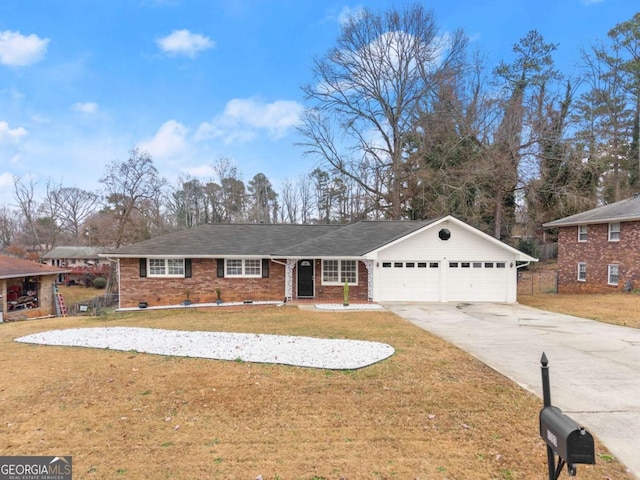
x=594 y=367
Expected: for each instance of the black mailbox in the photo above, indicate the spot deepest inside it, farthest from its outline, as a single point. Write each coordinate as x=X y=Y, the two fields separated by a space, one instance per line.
x=569 y=441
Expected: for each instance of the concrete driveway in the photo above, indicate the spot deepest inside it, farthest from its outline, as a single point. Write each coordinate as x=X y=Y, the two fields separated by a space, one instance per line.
x=594 y=367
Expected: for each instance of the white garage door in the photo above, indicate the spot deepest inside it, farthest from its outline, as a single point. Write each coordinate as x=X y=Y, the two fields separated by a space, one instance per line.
x=476 y=281
x=425 y=281
x=415 y=281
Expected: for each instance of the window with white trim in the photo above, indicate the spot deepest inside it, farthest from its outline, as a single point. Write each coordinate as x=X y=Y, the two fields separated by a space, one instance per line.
x=582 y=272
x=243 y=267
x=614 y=232
x=336 y=272
x=614 y=274
x=582 y=233
x=166 y=267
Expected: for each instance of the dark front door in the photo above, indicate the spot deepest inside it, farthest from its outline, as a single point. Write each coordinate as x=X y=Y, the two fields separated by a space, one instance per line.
x=305 y=278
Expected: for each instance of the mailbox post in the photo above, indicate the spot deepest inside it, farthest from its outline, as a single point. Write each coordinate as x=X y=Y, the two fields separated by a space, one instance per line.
x=564 y=437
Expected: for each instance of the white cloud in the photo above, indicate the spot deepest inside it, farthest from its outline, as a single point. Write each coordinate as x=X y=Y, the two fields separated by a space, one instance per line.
x=11 y=134
x=6 y=180
x=200 y=171
x=85 y=107
x=17 y=50
x=169 y=141
x=243 y=118
x=347 y=13
x=183 y=42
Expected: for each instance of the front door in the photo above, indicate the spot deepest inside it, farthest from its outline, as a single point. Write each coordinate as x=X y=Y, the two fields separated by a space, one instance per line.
x=305 y=278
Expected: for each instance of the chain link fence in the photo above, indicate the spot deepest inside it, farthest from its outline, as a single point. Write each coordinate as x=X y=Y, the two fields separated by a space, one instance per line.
x=532 y=283
x=94 y=306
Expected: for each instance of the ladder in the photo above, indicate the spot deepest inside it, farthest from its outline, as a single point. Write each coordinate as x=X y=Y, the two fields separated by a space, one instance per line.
x=61 y=307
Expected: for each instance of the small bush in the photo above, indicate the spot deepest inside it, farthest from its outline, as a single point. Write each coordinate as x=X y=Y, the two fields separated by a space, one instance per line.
x=100 y=282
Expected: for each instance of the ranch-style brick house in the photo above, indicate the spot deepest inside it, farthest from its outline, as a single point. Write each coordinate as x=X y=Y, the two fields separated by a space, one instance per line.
x=599 y=250
x=442 y=260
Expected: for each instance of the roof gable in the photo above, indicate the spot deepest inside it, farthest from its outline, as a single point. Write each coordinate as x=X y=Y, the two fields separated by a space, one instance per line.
x=627 y=210
x=442 y=222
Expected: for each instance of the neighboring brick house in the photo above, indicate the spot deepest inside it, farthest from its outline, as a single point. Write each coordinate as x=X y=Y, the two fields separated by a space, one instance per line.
x=438 y=260
x=599 y=250
x=26 y=288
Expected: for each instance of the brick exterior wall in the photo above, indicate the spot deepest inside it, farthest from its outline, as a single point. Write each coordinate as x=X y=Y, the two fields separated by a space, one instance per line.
x=598 y=252
x=204 y=281
x=202 y=285
x=334 y=293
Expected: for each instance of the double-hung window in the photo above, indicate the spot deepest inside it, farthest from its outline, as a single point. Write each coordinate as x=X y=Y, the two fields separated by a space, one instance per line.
x=582 y=233
x=166 y=267
x=614 y=232
x=614 y=274
x=243 y=267
x=336 y=272
x=582 y=272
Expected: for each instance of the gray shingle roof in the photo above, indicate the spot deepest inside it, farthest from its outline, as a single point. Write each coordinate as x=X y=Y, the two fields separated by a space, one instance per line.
x=226 y=239
x=622 y=211
x=89 y=253
x=354 y=240
x=284 y=240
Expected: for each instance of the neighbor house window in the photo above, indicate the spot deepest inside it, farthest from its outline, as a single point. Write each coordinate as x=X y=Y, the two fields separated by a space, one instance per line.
x=614 y=232
x=166 y=267
x=336 y=272
x=582 y=272
x=582 y=233
x=614 y=274
x=243 y=267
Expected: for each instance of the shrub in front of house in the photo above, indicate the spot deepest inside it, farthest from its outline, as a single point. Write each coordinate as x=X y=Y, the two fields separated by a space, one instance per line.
x=99 y=282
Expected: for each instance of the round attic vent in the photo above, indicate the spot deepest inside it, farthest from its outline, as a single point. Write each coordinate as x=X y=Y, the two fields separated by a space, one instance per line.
x=444 y=234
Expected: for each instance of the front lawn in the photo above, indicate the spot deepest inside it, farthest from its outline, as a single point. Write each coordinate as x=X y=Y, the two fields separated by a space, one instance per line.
x=617 y=308
x=79 y=293
x=428 y=412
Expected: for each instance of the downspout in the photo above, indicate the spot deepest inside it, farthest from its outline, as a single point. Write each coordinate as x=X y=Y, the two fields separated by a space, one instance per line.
x=287 y=294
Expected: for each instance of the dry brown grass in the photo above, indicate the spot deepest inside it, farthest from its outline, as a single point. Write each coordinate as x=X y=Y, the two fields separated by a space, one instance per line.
x=617 y=308
x=428 y=412
x=79 y=293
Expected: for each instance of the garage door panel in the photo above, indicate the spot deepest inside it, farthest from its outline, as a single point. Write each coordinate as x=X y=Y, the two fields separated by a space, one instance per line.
x=417 y=281
x=452 y=281
x=476 y=281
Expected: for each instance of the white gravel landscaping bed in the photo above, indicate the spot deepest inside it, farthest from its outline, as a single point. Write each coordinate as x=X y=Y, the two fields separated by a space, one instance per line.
x=333 y=354
x=352 y=306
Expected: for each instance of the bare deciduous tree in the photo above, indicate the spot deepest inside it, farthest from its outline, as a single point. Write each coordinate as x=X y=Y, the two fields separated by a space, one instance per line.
x=131 y=187
x=369 y=88
x=24 y=195
x=75 y=206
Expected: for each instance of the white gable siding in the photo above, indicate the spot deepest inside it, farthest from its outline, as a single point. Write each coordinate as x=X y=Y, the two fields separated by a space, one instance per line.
x=474 y=277
x=463 y=245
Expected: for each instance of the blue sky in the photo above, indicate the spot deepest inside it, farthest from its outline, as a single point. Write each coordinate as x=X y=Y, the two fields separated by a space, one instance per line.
x=84 y=81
